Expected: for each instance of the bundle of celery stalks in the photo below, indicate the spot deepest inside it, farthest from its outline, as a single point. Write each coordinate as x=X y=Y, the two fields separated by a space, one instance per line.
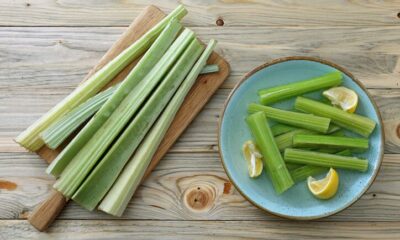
x=105 y=162
x=310 y=139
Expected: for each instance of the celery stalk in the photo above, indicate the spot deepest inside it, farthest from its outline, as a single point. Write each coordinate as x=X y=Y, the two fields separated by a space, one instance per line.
x=273 y=162
x=84 y=161
x=324 y=159
x=274 y=94
x=301 y=120
x=123 y=189
x=30 y=138
x=100 y=180
x=286 y=140
x=351 y=121
x=56 y=134
x=304 y=140
x=212 y=68
x=136 y=76
x=279 y=129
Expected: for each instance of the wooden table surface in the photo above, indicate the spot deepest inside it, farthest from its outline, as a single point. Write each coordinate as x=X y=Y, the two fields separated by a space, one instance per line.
x=47 y=47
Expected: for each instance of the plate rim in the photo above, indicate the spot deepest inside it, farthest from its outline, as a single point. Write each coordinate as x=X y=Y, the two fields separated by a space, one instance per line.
x=318 y=60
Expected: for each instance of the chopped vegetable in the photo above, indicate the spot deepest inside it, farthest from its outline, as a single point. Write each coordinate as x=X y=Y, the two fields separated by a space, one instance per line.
x=123 y=189
x=286 y=140
x=100 y=180
x=30 y=138
x=304 y=140
x=273 y=162
x=301 y=120
x=353 y=122
x=279 y=129
x=212 y=68
x=274 y=94
x=324 y=159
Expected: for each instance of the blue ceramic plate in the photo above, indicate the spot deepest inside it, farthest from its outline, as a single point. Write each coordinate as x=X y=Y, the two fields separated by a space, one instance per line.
x=297 y=202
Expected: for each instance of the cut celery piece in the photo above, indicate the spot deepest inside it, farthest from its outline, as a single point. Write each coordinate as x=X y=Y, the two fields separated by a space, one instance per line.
x=212 y=68
x=30 y=138
x=279 y=129
x=286 y=140
x=100 y=180
x=351 y=121
x=301 y=120
x=313 y=141
x=324 y=160
x=87 y=157
x=123 y=189
x=274 y=94
x=136 y=76
x=56 y=134
x=272 y=158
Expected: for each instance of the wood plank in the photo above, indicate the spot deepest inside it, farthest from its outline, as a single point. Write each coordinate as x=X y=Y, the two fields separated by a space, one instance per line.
x=203 y=13
x=58 y=58
x=167 y=193
x=201 y=136
x=120 y=229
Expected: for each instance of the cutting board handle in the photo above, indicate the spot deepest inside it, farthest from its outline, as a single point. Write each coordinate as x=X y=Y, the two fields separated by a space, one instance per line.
x=44 y=214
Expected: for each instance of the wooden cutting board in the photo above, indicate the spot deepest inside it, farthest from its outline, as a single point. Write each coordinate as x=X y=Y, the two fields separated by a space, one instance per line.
x=205 y=86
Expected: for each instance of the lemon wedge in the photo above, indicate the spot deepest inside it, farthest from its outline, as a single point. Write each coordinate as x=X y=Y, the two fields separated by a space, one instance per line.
x=324 y=188
x=253 y=158
x=343 y=97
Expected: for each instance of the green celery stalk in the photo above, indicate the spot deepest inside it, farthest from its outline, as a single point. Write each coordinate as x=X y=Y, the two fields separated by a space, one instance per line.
x=123 y=189
x=30 y=138
x=353 y=122
x=324 y=160
x=279 y=129
x=56 y=134
x=291 y=166
x=212 y=68
x=84 y=161
x=100 y=180
x=136 y=76
x=301 y=120
x=303 y=172
x=304 y=140
x=333 y=128
x=273 y=162
x=274 y=94
x=286 y=140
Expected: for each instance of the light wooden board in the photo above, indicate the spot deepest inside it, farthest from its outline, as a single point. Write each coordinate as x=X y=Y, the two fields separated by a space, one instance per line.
x=170 y=191
x=234 y=12
x=40 y=65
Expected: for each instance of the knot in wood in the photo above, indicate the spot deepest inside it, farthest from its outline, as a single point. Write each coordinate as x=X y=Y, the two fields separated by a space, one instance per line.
x=199 y=198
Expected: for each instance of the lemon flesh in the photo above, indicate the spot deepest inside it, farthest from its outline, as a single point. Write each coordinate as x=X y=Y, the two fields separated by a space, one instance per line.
x=253 y=158
x=324 y=188
x=343 y=97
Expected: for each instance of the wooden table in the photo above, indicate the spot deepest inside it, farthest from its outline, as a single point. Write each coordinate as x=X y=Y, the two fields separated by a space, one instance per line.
x=47 y=46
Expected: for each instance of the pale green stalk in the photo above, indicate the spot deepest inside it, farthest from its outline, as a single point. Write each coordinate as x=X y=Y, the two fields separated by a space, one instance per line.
x=30 y=138
x=301 y=120
x=88 y=156
x=324 y=160
x=351 y=121
x=272 y=158
x=321 y=141
x=102 y=177
x=212 y=68
x=122 y=191
x=136 y=76
x=56 y=134
x=274 y=94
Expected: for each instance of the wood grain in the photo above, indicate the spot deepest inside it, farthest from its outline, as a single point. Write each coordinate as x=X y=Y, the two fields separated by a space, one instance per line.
x=201 y=135
x=203 y=13
x=169 y=192
x=232 y=230
x=57 y=58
